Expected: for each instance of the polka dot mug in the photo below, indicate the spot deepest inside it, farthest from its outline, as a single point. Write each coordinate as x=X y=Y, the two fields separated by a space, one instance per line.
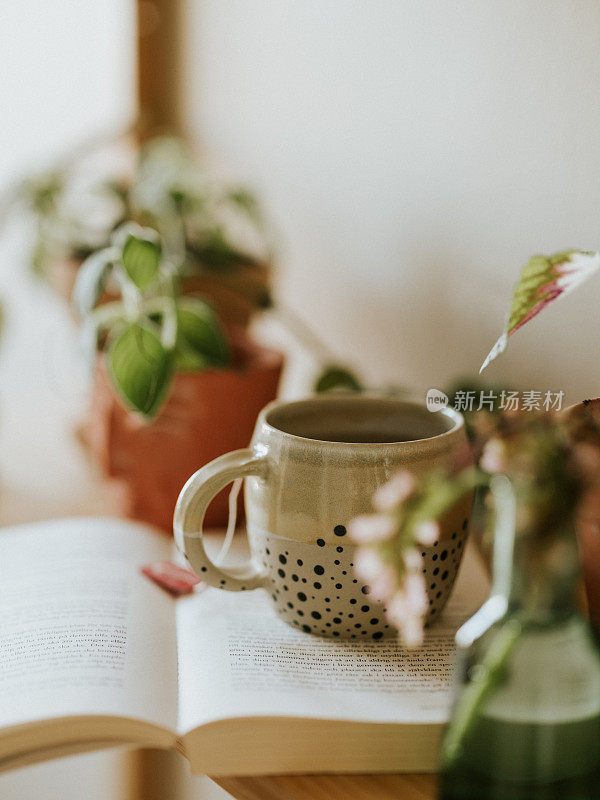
x=311 y=467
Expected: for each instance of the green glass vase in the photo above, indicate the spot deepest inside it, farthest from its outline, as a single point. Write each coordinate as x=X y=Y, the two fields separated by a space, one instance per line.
x=526 y=719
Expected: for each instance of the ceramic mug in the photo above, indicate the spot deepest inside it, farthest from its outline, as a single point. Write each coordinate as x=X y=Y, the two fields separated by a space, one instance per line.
x=311 y=467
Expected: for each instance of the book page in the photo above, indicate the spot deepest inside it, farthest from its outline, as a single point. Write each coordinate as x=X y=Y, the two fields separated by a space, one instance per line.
x=81 y=630
x=238 y=659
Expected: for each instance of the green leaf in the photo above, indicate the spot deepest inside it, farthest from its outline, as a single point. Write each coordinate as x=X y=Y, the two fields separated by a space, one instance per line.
x=265 y=300
x=40 y=257
x=336 y=378
x=537 y=287
x=544 y=279
x=140 y=368
x=200 y=339
x=91 y=280
x=247 y=201
x=141 y=260
x=215 y=252
x=188 y=360
x=42 y=192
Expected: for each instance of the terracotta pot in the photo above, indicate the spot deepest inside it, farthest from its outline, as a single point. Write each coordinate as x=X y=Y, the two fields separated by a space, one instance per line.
x=236 y=295
x=588 y=534
x=206 y=414
x=588 y=529
x=61 y=274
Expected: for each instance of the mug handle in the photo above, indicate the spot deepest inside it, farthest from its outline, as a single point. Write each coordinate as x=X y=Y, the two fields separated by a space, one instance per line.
x=191 y=507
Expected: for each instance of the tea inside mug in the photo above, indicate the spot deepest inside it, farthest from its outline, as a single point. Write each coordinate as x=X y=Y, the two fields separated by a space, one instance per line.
x=359 y=420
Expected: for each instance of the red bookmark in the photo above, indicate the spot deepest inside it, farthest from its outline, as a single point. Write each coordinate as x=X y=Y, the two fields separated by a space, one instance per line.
x=175 y=579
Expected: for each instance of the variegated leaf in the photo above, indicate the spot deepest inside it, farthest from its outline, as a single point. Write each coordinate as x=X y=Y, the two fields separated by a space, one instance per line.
x=543 y=280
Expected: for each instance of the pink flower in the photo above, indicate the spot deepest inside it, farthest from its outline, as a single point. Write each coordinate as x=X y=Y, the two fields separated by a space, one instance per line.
x=493 y=457
x=394 y=492
x=383 y=585
x=367 y=564
x=397 y=609
x=413 y=560
x=407 y=608
x=427 y=532
x=411 y=632
x=410 y=599
x=372 y=528
x=416 y=594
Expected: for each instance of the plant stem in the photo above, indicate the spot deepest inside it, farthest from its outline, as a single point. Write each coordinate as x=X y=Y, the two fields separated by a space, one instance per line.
x=488 y=675
x=304 y=334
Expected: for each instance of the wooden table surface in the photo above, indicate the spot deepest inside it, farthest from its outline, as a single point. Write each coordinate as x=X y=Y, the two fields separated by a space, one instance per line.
x=161 y=775
x=331 y=787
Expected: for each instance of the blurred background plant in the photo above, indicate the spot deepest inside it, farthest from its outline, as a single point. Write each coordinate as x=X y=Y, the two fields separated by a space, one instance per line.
x=172 y=386
x=152 y=331
x=216 y=235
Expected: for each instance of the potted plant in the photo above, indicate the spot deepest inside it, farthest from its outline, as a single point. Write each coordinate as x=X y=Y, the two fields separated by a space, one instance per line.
x=215 y=233
x=171 y=389
x=217 y=230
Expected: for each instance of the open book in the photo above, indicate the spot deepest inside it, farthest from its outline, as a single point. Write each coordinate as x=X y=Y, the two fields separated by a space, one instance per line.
x=93 y=654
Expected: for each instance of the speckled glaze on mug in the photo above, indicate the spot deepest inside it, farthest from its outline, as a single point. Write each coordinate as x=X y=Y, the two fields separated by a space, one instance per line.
x=312 y=466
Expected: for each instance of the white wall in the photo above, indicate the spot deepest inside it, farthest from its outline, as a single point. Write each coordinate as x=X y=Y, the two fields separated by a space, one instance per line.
x=415 y=153
x=65 y=76
x=67 y=79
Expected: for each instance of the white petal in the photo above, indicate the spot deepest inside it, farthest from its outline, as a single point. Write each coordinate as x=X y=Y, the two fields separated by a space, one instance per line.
x=427 y=532
x=367 y=564
x=411 y=632
x=394 y=492
x=371 y=528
